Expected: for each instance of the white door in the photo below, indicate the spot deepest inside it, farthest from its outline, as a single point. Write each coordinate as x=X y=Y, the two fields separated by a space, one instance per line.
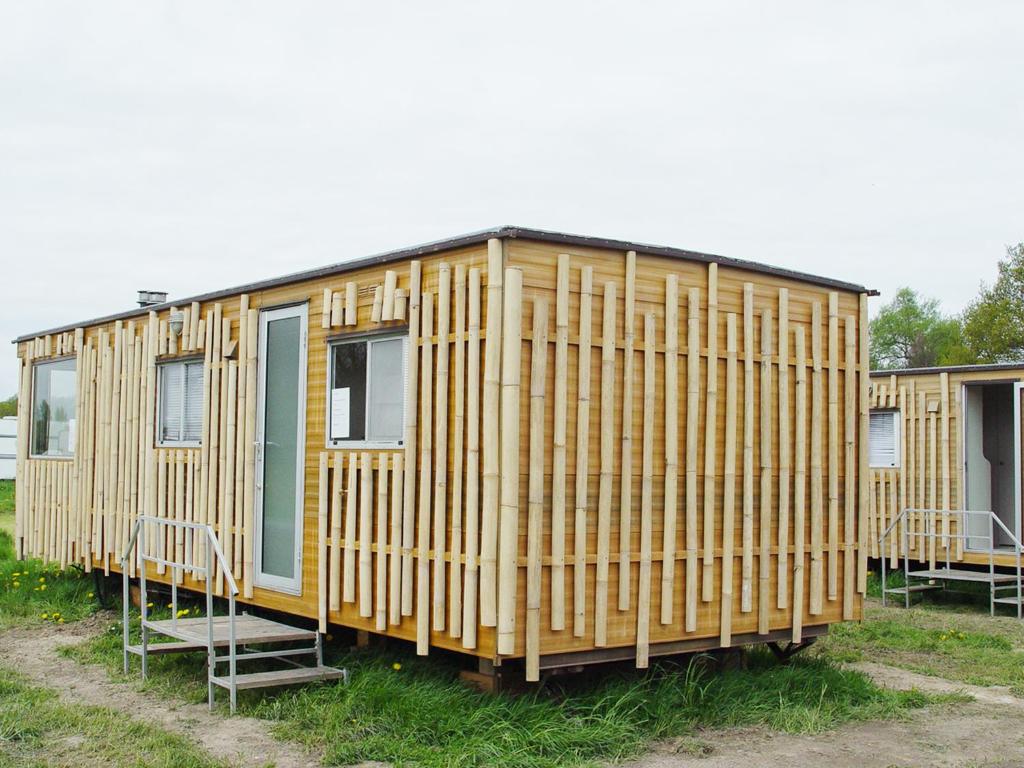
x=280 y=448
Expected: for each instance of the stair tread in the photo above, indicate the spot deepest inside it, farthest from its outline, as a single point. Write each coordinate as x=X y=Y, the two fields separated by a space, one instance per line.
x=175 y=647
x=291 y=676
x=248 y=629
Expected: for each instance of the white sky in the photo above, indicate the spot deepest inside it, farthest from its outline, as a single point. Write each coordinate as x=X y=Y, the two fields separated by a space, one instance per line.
x=189 y=146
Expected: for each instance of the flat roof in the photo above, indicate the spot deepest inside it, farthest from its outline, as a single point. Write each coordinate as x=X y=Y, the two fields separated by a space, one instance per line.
x=977 y=368
x=461 y=241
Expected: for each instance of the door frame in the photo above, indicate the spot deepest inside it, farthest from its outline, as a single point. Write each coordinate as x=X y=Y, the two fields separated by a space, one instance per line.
x=293 y=585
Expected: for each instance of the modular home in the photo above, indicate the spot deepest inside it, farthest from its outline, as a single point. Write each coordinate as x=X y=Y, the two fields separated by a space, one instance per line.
x=519 y=445
x=945 y=440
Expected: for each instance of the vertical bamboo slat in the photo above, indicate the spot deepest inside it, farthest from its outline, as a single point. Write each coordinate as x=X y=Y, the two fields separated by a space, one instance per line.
x=579 y=569
x=535 y=521
x=411 y=432
x=607 y=470
x=626 y=462
x=710 y=432
x=799 y=481
x=668 y=558
x=321 y=560
x=862 y=444
x=508 y=541
x=643 y=612
x=849 y=467
x=817 y=573
x=458 y=447
x=365 y=580
x=395 y=548
x=729 y=483
x=381 y=565
x=833 y=445
x=558 y=454
x=425 y=480
x=469 y=603
x=492 y=442
x=747 y=565
x=334 y=591
x=764 y=552
x=348 y=584
x=692 y=403
x=785 y=453
x=444 y=289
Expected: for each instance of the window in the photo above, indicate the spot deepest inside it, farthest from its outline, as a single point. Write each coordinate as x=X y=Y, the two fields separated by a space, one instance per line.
x=884 y=439
x=53 y=408
x=181 y=403
x=366 y=401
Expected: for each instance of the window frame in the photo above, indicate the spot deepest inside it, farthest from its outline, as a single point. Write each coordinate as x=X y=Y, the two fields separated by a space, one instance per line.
x=369 y=339
x=158 y=440
x=897 y=431
x=32 y=407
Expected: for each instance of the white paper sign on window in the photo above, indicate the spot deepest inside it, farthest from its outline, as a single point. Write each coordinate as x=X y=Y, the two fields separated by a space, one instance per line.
x=339 y=413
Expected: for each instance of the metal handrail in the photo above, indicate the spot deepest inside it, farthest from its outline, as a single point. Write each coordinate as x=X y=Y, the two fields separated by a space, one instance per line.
x=214 y=554
x=929 y=518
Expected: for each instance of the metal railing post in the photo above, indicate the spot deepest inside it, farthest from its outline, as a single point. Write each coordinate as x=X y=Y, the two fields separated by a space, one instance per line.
x=211 y=652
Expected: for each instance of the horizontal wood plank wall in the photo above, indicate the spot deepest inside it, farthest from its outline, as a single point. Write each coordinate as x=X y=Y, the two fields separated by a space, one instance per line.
x=929 y=471
x=501 y=557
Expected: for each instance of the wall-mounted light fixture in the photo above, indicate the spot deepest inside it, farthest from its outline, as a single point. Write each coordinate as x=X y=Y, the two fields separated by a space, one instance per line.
x=177 y=322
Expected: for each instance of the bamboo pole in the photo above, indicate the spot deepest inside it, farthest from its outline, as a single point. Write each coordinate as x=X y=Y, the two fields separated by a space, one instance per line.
x=922 y=418
x=395 y=576
x=212 y=507
x=668 y=557
x=334 y=592
x=377 y=308
x=817 y=573
x=862 y=445
x=607 y=468
x=401 y=300
x=558 y=454
x=381 y=587
x=426 y=453
x=692 y=403
x=444 y=292
x=729 y=483
x=908 y=469
x=321 y=560
x=508 y=542
x=492 y=442
x=469 y=603
x=535 y=521
x=764 y=552
x=230 y=452
x=242 y=436
x=626 y=461
x=388 y=306
x=799 y=482
x=932 y=481
x=249 y=480
x=849 y=472
x=710 y=433
x=785 y=453
x=747 y=565
x=905 y=529
x=872 y=524
x=833 y=445
x=205 y=512
x=643 y=613
x=351 y=303
x=348 y=583
x=961 y=502
x=579 y=568
x=944 y=447
x=411 y=432
x=337 y=308
x=458 y=448
x=365 y=580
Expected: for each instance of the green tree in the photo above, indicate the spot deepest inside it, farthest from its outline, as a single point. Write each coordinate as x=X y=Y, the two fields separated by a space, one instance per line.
x=9 y=407
x=993 y=325
x=911 y=332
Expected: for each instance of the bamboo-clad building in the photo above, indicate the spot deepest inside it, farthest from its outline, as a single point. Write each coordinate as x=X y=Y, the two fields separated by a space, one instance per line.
x=946 y=439
x=516 y=444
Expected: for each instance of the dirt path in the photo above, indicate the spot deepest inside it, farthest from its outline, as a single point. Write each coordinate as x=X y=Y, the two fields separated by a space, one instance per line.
x=988 y=731
x=244 y=741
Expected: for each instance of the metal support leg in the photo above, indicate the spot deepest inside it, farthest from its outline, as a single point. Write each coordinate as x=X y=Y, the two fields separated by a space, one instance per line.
x=233 y=652
x=124 y=617
x=211 y=651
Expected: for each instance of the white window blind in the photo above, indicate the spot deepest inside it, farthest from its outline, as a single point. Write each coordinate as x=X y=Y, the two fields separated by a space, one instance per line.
x=181 y=402
x=884 y=439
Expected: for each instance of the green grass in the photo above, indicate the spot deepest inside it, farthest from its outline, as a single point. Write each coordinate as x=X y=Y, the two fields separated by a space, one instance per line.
x=943 y=641
x=7 y=506
x=421 y=714
x=37 y=729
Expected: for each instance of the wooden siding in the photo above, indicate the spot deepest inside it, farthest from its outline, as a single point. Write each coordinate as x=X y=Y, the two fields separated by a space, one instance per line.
x=690 y=413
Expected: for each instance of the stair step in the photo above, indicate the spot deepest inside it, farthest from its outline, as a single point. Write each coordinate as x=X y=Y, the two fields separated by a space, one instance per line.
x=292 y=676
x=1010 y=600
x=912 y=588
x=154 y=648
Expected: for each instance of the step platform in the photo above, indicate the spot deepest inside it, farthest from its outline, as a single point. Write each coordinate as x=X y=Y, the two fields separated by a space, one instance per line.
x=249 y=630
x=963 y=574
x=293 y=676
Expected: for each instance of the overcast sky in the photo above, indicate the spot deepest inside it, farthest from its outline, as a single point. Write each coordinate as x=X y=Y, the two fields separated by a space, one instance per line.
x=189 y=146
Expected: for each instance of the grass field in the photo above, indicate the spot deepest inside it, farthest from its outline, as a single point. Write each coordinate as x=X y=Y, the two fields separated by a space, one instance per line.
x=36 y=729
x=406 y=710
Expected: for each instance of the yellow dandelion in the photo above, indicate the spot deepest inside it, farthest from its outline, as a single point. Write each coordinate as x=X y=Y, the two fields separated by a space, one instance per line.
x=149 y=605
x=17 y=584
x=60 y=621
x=396 y=666
x=42 y=587
x=42 y=579
x=56 y=615
x=170 y=605
x=942 y=637
x=45 y=616
x=89 y=595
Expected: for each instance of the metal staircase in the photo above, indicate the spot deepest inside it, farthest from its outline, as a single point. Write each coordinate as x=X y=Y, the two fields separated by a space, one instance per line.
x=210 y=633
x=1005 y=588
